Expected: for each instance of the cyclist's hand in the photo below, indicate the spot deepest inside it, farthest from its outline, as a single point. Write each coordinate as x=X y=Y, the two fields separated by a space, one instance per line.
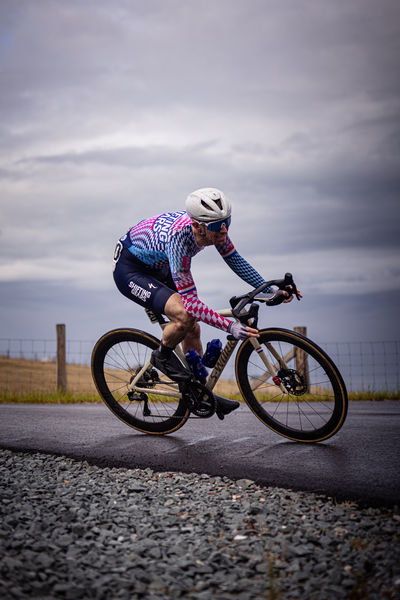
x=290 y=296
x=241 y=332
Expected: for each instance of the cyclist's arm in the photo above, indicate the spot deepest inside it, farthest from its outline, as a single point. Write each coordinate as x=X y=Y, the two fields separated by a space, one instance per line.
x=194 y=306
x=239 y=265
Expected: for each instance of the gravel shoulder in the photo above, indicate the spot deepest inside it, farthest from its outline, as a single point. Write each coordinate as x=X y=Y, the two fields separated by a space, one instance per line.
x=71 y=530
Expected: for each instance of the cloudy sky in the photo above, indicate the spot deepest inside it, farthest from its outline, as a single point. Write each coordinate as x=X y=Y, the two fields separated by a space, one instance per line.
x=115 y=110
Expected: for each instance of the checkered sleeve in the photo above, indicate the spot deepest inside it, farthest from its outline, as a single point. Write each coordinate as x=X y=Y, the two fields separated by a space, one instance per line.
x=179 y=256
x=239 y=265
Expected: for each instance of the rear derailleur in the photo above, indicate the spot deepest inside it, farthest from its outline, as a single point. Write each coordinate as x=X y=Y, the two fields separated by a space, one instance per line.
x=148 y=380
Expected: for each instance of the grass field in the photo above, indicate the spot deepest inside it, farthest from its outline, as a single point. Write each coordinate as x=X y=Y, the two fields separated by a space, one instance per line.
x=26 y=381
x=36 y=381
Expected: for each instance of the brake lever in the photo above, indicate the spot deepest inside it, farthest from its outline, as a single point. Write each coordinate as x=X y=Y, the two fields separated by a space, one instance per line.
x=288 y=285
x=239 y=302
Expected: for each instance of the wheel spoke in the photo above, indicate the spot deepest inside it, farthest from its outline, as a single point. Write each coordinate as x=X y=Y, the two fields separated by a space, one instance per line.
x=119 y=358
x=307 y=399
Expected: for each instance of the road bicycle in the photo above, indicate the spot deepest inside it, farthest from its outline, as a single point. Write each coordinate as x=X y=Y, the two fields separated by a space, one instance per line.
x=287 y=381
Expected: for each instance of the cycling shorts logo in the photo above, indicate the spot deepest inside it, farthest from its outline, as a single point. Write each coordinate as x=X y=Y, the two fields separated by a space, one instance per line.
x=151 y=286
x=161 y=226
x=139 y=292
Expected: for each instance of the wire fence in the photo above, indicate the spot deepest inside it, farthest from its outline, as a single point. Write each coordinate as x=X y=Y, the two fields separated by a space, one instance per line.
x=31 y=366
x=367 y=365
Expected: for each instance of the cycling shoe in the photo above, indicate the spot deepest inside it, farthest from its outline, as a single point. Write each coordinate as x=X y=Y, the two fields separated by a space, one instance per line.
x=225 y=406
x=171 y=366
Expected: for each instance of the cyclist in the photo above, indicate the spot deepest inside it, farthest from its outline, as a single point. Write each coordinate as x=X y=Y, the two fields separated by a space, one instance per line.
x=152 y=267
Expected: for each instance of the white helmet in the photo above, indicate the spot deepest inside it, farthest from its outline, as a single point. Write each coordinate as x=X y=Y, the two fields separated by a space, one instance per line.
x=208 y=205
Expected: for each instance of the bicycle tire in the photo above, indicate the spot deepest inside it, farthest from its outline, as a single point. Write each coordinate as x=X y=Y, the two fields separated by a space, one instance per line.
x=314 y=405
x=116 y=358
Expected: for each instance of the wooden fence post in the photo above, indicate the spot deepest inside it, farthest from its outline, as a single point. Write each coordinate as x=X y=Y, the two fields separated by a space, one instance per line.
x=302 y=357
x=61 y=360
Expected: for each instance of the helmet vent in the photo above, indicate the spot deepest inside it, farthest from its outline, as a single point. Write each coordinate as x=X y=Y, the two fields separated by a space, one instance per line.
x=217 y=202
x=206 y=205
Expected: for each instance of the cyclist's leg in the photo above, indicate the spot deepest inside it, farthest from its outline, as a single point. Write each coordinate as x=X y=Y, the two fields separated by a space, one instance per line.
x=149 y=288
x=192 y=341
x=181 y=321
x=177 y=314
x=182 y=327
x=156 y=291
x=141 y=285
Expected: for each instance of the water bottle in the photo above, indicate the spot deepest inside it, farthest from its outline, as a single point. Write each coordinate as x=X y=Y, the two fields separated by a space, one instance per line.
x=212 y=353
x=194 y=361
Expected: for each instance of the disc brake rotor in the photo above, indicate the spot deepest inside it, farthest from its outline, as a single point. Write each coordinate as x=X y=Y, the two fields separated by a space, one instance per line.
x=294 y=382
x=149 y=378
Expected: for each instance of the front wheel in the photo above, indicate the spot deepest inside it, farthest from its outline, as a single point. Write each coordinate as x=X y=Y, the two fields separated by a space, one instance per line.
x=152 y=405
x=305 y=399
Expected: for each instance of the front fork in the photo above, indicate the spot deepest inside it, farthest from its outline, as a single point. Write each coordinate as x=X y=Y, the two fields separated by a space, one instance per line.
x=271 y=369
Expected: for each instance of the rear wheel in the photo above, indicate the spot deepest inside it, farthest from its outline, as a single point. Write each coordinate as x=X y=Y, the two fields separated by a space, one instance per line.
x=307 y=400
x=117 y=358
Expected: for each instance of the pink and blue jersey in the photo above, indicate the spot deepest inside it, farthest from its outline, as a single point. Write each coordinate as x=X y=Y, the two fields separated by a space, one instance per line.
x=167 y=240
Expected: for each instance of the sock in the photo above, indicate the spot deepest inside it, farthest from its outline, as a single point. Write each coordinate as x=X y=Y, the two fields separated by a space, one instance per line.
x=165 y=351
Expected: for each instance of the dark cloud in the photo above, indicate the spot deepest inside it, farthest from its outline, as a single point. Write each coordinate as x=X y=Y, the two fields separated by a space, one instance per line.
x=112 y=111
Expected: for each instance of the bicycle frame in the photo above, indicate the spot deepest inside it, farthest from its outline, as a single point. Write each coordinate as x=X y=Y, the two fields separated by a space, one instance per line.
x=288 y=382
x=220 y=365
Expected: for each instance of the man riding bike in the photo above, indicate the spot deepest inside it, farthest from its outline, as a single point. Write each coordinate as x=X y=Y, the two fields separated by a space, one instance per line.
x=152 y=268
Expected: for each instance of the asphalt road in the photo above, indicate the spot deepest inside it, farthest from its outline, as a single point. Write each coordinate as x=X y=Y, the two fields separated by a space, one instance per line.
x=361 y=463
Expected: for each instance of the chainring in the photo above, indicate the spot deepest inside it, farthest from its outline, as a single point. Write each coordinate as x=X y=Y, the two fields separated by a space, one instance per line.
x=199 y=399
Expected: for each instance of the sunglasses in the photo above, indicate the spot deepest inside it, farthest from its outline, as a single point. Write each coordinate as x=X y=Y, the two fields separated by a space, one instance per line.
x=216 y=226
